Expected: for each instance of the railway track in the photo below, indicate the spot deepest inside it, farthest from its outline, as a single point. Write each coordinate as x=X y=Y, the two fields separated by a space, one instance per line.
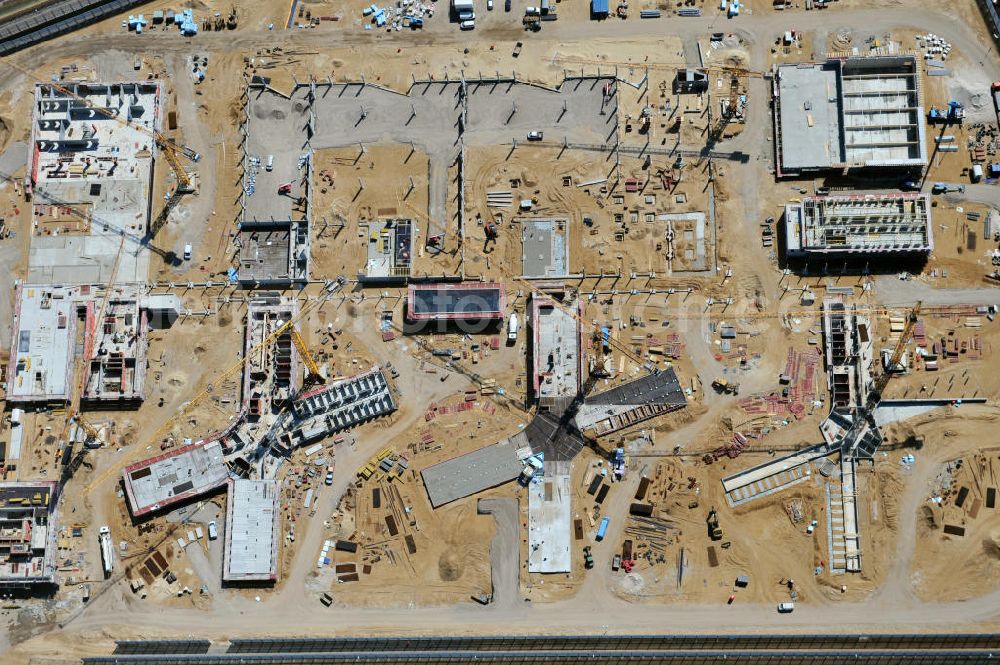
x=927 y=649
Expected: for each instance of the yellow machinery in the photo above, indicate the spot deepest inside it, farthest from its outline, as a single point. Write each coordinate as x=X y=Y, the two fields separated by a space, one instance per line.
x=312 y=369
x=82 y=372
x=168 y=148
x=229 y=372
x=897 y=352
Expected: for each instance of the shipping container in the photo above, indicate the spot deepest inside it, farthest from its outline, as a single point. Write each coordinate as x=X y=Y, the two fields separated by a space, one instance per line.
x=642 y=509
x=594 y=484
x=602 y=529
x=603 y=494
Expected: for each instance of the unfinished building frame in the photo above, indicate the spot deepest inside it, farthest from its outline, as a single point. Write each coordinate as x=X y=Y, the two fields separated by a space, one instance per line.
x=92 y=149
x=52 y=322
x=859 y=225
x=556 y=353
x=28 y=530
x=849 y=113
x=389 y=248
x=273 y=238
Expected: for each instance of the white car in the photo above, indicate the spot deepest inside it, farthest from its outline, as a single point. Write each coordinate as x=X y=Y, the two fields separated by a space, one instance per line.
x=489 y=5
x=213 y=530
x=468 y=25
x=532 y=11
x=535 y=136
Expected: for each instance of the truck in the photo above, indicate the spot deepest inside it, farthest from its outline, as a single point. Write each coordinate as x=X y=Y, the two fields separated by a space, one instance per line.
x=724 y=386
x=619 y=463
x=463 y=10
x=995 y=91
x=977 y=172
x=588 y=558
x=107 y=551
x=512 y=328
x=602 y=529
x=944 y=188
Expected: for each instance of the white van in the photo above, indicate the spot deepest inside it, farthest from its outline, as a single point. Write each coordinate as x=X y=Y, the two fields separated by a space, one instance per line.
x=187 y=252
x=512 y=328
x=785 y=608
x=270 y=163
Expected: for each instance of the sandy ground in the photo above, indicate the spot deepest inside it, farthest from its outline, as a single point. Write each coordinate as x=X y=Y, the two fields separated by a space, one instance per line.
x=909 y=564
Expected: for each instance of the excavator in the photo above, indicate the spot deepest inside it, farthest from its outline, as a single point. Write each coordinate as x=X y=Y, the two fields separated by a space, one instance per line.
x=714 y=530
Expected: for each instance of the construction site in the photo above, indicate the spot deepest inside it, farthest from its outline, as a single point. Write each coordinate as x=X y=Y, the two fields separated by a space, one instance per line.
x=339 y=319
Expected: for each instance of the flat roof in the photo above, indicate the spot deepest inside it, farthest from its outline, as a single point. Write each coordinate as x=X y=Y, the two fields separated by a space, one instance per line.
x=853 y=112
x=175 y=476
x=556 y=350
x=456 y=301
x=660 y=388
x=251 y=545
x=549 y=506
x=809 y=116
x=631 y=403
x=43 y=343
x=471 y=473
x=544 y=250
x=265 y=252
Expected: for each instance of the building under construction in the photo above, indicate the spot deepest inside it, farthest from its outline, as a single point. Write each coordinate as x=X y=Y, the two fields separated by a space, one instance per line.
x=390 y=251
x=556 y=353
x=271 y=375
x=859 y=226
x=28 y=531
x=850 y=113
x=338 y=406
x=252 y=531
x=847 y=341
x=275 y=204
x=90 y=168
x=116 y=359
x=178 y=475
x=470 y=302
x=52 y=324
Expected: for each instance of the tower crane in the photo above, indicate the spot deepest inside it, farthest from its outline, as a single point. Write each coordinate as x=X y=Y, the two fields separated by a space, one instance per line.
x=897 y=353
x=207 y=392
x=168 y=148
x=312 y=369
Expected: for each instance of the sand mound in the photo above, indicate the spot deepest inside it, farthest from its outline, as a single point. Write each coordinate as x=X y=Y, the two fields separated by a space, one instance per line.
x=450 y=566
x=264 y=114
x=991 y=544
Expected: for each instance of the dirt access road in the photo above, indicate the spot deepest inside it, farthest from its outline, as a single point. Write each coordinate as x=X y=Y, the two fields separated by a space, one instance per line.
x=291 y=612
